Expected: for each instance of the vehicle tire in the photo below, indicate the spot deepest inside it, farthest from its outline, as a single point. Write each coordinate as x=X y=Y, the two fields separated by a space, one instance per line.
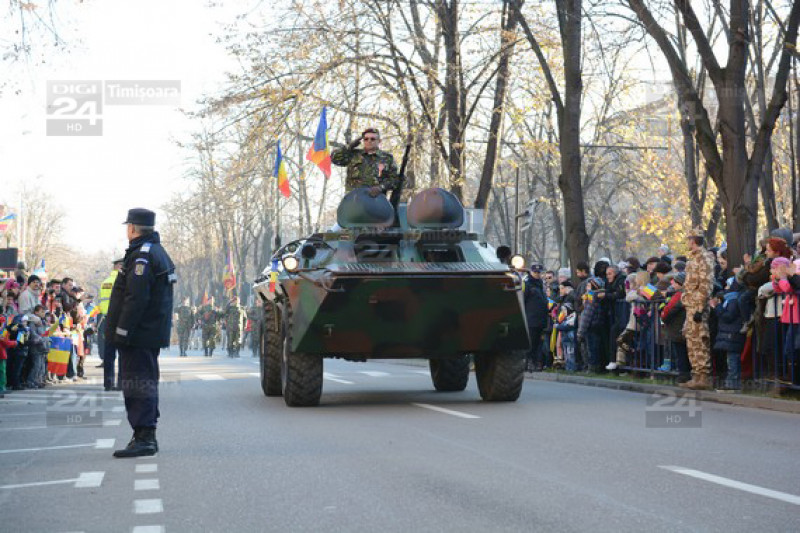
x=271 y=351
x=500 y=375
x=301 y=373
x=450 y=375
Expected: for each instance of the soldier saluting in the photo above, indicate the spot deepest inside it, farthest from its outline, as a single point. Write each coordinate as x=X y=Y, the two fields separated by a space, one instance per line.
x=369 y=167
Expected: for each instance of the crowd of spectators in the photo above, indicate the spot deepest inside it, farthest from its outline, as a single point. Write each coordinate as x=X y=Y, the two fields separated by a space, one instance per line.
x=631 y=316
x=32 y=312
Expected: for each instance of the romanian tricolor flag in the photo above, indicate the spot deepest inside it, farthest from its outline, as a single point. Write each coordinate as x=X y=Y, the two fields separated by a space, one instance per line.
x=649 y=290
x=320 y=153
x=229 y=278
x=6 y=220
x=58 y=356
x=280 y=173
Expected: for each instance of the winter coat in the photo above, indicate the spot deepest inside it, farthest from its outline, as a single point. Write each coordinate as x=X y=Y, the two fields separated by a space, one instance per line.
x=729 y=324
x=535 y=303
x=40 y=342
x=674 y=317
x=619 y=308
x=790 y=314
x=6 y=344
x=27 y=301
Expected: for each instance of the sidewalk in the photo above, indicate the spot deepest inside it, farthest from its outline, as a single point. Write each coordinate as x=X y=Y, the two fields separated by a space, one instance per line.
x=741 y=400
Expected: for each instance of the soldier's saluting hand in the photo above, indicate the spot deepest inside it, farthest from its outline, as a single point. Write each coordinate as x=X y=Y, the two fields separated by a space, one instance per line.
x=367 y=167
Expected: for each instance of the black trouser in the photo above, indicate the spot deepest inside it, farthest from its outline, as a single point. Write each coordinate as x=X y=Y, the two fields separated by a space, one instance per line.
x=16 y=360
x=109 y=351
x=535 y=353
x=138 y=377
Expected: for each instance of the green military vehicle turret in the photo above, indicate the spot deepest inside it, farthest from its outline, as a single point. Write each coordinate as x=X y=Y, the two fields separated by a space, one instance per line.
x=386 y=283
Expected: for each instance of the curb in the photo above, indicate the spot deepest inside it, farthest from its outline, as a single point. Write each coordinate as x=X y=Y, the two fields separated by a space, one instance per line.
x=739 y=400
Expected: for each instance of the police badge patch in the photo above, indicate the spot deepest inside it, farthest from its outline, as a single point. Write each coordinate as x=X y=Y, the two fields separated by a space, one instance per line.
x=139 y=270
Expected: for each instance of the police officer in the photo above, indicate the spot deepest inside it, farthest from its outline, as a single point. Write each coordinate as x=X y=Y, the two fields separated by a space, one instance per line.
x=105 y=343
x=140 y=321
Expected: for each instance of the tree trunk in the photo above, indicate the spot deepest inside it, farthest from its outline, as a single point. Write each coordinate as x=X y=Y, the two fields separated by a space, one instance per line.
x=453 y=94
x=569 y=124
x=508 y=37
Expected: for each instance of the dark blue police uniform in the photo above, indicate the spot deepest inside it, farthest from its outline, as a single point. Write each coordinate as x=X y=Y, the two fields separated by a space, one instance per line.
x=140 y=320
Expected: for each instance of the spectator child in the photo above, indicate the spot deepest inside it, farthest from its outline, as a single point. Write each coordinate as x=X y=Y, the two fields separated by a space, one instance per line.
x=730 y=338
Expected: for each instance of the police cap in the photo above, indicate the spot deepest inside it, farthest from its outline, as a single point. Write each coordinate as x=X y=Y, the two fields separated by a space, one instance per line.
x=141 y=217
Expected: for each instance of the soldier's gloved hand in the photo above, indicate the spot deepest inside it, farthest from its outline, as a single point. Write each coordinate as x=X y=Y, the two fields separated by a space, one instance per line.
x=375 y=191
x=355 y=143
x=698 y=316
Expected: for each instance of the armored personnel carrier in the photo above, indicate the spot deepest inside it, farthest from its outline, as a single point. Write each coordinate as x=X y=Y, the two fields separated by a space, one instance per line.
x=386 y=283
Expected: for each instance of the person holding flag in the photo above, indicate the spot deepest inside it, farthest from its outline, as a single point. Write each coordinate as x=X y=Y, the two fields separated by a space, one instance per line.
x=370 y=167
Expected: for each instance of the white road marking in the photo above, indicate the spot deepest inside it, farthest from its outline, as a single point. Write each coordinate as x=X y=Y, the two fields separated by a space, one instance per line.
x=4 y=400
x=104 y=444
x=746 y=487
x=47 y=448
x=148 y=468
x=209 y=377
x=334 y=377
x=116 y=422
x=89 y=480
x=84 y=480
x=445 y=411
x=256 y=374
x=146 y=484
x=374 y=373
x=148 y=506
x=118 y=409
x=148 y=529
x=423 y=372
x=37 y=413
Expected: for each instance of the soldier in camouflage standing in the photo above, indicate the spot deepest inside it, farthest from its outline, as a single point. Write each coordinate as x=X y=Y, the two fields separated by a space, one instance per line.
x=208 y=326
x=235 y=318
x=696 y=293
x=184 y=322
x=370 y=167
x=255 y=314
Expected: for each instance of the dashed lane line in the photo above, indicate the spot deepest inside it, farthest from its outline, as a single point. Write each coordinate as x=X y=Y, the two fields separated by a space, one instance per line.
x=732 y=483
x=148 y=529
x=99 y=444
x=336 y=379
x=84 y=481
x=146 y=484
x=374 y=373
x=151 y=506
x=148 y=468
x=451 y=412
x=209 y=377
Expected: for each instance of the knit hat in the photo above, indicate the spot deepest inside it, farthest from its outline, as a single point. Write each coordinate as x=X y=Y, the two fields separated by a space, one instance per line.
x=780 y=261
x=680 y=266
x=567 y=283
x=32 y=278
x=564 y=273
x=783 y=233
x=679 y=278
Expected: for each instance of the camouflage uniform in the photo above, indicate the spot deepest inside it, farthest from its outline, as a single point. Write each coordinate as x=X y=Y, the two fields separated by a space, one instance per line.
x=184 y=326
x=235 y=318
x=208 y=326
x=696 y=293
x=256 y=316
x=367 y=170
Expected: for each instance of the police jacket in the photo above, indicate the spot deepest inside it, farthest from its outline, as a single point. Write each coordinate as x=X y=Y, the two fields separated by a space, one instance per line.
x=535 y=303
x=140 y=309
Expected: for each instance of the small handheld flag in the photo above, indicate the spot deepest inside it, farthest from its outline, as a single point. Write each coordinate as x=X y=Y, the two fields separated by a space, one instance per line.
x=649 y=290
x=280 y=173
x=58 y=356
x=320 y=153
x=6 y=220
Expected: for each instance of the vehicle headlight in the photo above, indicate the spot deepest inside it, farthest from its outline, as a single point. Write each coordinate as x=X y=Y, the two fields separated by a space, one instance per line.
x=290 y=263
x=517 y=262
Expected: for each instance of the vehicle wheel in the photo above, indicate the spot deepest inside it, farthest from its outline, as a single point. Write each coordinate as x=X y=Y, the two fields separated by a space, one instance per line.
x=271 y=351
x=450 y=375
x=500 y=375
x=301 y=373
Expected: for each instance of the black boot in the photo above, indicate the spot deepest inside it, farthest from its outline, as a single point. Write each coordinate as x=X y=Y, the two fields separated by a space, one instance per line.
x=142 y=444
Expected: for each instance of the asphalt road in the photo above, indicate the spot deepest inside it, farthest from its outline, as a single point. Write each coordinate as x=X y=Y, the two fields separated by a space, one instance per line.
x=384 y=452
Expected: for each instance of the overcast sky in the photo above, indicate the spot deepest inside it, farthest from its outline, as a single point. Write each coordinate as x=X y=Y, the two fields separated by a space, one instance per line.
x=135 y=163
